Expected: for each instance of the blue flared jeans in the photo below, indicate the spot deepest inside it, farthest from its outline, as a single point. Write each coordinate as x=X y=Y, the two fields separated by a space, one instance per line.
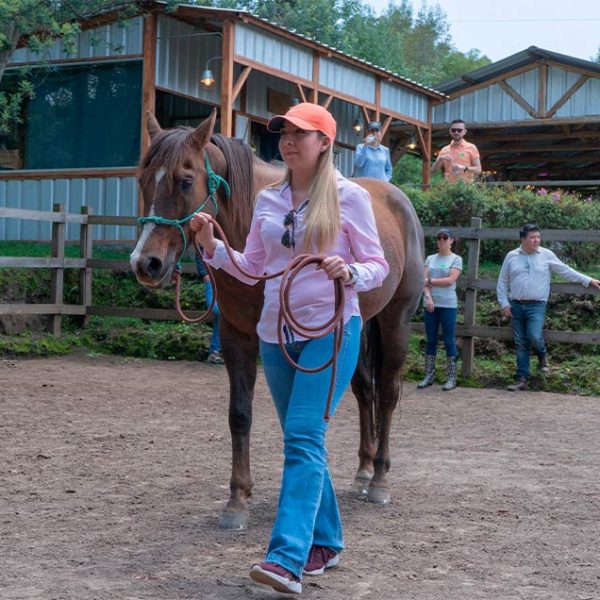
x=527 y=324
x=308 y=512
x=215 y=340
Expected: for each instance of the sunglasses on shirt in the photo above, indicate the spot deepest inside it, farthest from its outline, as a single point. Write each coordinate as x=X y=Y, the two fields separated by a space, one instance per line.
x=443 y=236
x=456 y=130
x=287 y=239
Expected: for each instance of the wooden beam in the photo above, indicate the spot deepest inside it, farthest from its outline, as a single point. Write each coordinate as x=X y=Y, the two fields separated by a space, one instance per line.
x=378 y=99
x=316 y=67
x=541 y=149
x=518 y=98
x=148 y=88
x=227 y=78
x=239 y=84
x=556 y=121
x=542 y=88
x=563 y=99
x=385 y=125
x=491 y=81
x=585 y=158
x=301 y=92
x=328 y=101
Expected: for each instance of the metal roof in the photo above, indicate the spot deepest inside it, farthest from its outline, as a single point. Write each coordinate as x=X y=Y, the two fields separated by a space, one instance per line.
x=520 y=59
x=245 y=15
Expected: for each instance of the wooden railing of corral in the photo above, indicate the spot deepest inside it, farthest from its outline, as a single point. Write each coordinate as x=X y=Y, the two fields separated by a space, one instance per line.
x=469 y=281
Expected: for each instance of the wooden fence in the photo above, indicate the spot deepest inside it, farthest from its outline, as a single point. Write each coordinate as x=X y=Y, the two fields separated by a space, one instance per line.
x=56 y=309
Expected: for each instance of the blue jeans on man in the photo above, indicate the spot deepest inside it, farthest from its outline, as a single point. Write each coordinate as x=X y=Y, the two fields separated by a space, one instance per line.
x=308 y=512
x=527 y=325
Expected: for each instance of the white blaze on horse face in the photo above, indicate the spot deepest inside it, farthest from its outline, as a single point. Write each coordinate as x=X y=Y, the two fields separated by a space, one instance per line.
x=147 y=229
x=146 y=233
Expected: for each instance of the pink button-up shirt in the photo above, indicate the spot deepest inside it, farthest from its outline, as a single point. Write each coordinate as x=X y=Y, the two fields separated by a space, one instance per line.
x=312 y=294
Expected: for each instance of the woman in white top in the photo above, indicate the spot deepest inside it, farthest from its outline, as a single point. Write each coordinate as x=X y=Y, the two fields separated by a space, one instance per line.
x=441 y=306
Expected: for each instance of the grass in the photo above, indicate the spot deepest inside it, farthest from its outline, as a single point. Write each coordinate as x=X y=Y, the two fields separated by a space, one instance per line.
x=573 y=371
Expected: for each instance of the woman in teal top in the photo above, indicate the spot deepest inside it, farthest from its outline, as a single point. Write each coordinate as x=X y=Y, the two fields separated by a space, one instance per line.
x=441 y=306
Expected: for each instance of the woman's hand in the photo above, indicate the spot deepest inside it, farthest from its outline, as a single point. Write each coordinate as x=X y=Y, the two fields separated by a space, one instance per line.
x=429 y=307
x=335 y=267
x=201 y=224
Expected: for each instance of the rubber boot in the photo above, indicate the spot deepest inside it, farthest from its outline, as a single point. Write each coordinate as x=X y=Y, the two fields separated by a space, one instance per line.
x=429 y=371
x=451 y=383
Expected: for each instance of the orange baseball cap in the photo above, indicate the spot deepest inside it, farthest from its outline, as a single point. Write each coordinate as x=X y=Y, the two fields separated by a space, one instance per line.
x=307 y=116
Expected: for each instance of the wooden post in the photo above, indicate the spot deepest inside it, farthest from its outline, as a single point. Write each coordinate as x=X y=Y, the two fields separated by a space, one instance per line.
x=85 y=274
x=468 y=344
x=57 y=280
x=227 y=79
x=148 y=87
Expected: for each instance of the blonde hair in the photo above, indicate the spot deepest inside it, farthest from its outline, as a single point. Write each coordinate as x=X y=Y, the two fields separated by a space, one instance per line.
x=323 y=211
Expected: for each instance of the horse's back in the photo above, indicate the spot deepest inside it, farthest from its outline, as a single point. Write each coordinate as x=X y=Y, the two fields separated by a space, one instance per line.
x=401 y=237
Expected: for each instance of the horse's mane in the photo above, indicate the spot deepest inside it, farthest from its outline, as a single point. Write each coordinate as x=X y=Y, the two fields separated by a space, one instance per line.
x=167 y=152
x=240 y=176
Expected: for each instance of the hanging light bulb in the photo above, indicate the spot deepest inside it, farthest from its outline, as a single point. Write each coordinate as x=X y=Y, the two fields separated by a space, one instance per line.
x=412 y=142
x=207 y=78
x=357 y=126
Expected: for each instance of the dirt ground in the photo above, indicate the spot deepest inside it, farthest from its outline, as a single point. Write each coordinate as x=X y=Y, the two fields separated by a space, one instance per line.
x=114 y=472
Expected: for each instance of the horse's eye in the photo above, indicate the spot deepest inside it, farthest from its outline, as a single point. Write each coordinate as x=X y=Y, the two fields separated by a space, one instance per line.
x=187 y=184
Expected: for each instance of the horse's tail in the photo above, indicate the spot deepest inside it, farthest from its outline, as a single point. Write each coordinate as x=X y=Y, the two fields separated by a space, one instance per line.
x=370 y=365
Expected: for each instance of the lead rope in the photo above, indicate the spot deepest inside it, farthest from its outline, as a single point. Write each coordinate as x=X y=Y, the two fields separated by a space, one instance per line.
x=286 y=317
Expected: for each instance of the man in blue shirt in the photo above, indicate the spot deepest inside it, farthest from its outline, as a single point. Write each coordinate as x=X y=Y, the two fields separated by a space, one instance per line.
x=523 y=289
x=372 y=159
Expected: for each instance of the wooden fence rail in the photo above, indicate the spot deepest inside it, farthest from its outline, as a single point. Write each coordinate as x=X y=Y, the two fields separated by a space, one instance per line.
x=56 y=309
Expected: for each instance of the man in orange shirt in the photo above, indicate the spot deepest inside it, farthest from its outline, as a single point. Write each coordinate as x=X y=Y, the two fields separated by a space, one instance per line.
x=459 y=159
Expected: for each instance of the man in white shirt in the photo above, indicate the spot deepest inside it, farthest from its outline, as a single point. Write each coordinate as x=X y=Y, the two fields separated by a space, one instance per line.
x=523 y=290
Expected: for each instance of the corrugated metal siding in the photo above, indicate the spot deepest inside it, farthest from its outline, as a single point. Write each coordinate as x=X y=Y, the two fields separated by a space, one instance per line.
x=344 y=115
x=490 y=104
x=115 y=196
x=342 y=78
x=181 y=57
x=344 y=161
x=526 y=85
x=257 y=89
x=584 y=102
x=263 y=47
x=115 y=40
x=404 y=101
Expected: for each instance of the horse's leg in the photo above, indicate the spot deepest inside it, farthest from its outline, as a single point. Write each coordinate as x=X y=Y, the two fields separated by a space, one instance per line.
x=394 y=322
x=240 y=352
x=362 y=389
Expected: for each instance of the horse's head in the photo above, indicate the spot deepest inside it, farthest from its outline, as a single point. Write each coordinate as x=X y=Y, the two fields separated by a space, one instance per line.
x=175 y=184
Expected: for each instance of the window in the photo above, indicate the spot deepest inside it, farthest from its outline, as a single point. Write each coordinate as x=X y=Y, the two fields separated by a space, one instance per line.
x=80 y=117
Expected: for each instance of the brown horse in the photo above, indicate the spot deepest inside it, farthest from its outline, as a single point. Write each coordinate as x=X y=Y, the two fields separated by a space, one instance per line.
x=173 y=177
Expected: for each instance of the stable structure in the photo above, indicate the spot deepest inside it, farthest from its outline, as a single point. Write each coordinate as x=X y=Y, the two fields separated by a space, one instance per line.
x=535 y=117
x=83 y=132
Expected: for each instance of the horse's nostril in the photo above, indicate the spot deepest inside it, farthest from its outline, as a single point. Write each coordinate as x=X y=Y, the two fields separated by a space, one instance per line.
x=153 y=266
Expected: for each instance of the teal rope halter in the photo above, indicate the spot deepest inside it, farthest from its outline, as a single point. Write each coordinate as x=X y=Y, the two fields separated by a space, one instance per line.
x=213 y=182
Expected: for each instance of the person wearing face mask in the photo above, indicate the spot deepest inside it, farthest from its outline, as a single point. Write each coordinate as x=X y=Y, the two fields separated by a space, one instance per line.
x=372 y=158
x=441 y=306
x=459 y=160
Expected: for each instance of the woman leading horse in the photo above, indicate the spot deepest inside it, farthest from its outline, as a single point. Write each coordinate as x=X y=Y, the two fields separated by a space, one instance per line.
x=315 y=210
x=182 y=173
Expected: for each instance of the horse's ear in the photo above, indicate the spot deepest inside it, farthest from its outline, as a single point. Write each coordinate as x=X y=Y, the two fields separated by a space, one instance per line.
x=203 y=132
x=152 y=125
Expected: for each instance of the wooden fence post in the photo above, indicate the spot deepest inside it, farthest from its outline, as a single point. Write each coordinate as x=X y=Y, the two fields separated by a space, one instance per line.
x=57 y=280
x=468 y=342
x=85 y=274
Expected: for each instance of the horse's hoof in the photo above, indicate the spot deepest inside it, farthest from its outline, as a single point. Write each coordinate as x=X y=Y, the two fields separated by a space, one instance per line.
x=360 y=486
x=233 y=521
x=378 y=495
